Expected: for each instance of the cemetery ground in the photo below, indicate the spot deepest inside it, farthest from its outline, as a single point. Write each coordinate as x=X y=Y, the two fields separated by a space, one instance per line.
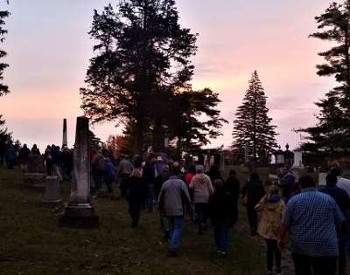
x=31 y=241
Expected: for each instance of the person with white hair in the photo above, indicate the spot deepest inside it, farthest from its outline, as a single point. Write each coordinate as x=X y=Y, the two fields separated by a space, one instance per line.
x=202 y=189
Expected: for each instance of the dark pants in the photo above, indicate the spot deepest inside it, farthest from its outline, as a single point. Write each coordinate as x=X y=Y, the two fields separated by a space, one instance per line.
x=134 y=212
x=123 y=184
x=342 y=252
x=306 y=265
x=272 y=252
x=201 y=210
x=252 y=218
x=221 y=237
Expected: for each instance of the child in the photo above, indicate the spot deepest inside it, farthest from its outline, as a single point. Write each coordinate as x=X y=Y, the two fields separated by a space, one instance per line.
x=270 y=209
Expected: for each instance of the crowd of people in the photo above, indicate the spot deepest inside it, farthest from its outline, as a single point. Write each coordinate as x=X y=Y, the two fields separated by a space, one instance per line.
x=315 y=218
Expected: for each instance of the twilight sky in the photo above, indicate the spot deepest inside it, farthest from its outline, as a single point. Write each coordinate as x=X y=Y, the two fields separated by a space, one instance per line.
x=49 y=50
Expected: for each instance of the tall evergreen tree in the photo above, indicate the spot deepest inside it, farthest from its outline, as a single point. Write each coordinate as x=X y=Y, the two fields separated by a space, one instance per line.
x=142 y=58
x=3 y=88
x=253 y=134
x=331 y=135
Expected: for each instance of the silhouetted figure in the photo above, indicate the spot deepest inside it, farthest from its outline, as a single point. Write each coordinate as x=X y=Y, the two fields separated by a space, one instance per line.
x=253 y=190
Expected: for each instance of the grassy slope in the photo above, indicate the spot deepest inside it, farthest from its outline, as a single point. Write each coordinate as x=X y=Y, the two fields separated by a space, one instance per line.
x=32 y=243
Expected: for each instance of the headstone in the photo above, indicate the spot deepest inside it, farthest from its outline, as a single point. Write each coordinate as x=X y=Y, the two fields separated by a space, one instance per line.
x=64 y=139
x=36 y=164
x=322 y=178
x=298 y=159
x=35 y=175
x=52 y=190
x=79 y=211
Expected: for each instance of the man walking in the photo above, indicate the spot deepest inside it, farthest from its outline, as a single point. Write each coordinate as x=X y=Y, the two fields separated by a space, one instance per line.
x=172 y=199
x=311 y=218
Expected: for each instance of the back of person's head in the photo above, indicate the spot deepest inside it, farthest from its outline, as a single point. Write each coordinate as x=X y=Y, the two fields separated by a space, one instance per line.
x=331 y=180
x=218 y=183
x=306 y=181
x=272 y=189
x=192 y=169
x=336 y=171
x=199 y=168
x=289 y=179
x=232 y=173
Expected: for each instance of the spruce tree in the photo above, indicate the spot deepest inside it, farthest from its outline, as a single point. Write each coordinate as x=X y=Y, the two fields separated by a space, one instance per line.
x=253 y=133
x=331 y=135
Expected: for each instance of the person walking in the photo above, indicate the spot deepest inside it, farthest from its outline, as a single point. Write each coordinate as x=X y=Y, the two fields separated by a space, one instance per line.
x=270 y=209
x=172 y=202
x=343 y=201
x=221 y=215
x=311 y=219
x=232 y=186
x=253 y=191
x=202 y=189
x=135 y=194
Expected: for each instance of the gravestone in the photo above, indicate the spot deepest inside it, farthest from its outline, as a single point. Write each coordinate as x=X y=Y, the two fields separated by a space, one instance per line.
x=52 y=190
x=298 y=169
x=79 y=212
x=64 y=138
x=36 y=164
x=35 y=175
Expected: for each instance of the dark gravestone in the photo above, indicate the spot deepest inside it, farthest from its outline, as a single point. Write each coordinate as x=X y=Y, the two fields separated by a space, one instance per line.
x=35 y=175
x=36 y=164
x=79 y=211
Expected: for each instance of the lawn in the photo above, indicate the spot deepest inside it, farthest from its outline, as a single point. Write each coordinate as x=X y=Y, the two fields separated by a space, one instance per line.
x=32 y=243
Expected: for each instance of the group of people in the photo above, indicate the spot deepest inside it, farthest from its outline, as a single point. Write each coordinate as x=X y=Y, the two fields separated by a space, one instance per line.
x=316 y=219
x=177 y=193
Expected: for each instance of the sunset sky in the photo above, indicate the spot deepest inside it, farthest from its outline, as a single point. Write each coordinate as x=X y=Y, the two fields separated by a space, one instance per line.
x=49 y=50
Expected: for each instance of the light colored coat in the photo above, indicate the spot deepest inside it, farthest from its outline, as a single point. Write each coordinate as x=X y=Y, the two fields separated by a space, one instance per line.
x=202 y=188
x=269 y=215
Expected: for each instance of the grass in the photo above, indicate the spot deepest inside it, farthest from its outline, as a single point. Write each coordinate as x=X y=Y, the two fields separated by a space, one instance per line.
x=32 y=243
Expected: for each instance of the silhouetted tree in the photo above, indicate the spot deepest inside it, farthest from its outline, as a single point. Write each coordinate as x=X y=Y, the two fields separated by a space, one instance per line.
x=331 y=135
x=142 y=53
x=3 y=88
x=253 y=134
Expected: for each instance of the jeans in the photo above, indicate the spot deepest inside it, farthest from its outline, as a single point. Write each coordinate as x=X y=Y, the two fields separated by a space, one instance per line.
x=221 y=237
x=304 y=265
x=272 y=251
x=176 y=228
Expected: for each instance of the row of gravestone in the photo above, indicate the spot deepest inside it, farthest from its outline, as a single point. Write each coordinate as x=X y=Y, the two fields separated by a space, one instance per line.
x=79 y=211
x=36 y=177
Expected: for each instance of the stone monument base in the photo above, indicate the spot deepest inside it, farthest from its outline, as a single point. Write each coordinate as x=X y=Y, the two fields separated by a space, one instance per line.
x=79 y=216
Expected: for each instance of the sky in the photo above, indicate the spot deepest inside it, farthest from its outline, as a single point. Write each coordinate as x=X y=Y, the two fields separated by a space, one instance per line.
x=49 y=49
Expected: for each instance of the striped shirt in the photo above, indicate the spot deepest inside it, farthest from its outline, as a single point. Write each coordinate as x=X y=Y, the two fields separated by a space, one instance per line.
x=311 y=219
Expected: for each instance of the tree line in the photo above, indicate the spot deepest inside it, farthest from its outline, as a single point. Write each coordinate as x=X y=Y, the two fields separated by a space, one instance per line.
x=140 y=77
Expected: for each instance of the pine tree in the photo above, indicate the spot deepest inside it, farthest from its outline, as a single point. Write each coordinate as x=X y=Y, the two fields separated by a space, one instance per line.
x=253 y=134
x=142 y=58
x=331 y=135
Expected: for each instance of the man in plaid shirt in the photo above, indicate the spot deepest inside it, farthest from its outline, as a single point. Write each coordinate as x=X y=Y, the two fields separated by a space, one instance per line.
x=311 y=219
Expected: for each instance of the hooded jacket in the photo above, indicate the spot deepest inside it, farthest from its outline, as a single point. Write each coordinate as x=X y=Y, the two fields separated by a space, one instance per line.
x=269 y=214
x=202 y=188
